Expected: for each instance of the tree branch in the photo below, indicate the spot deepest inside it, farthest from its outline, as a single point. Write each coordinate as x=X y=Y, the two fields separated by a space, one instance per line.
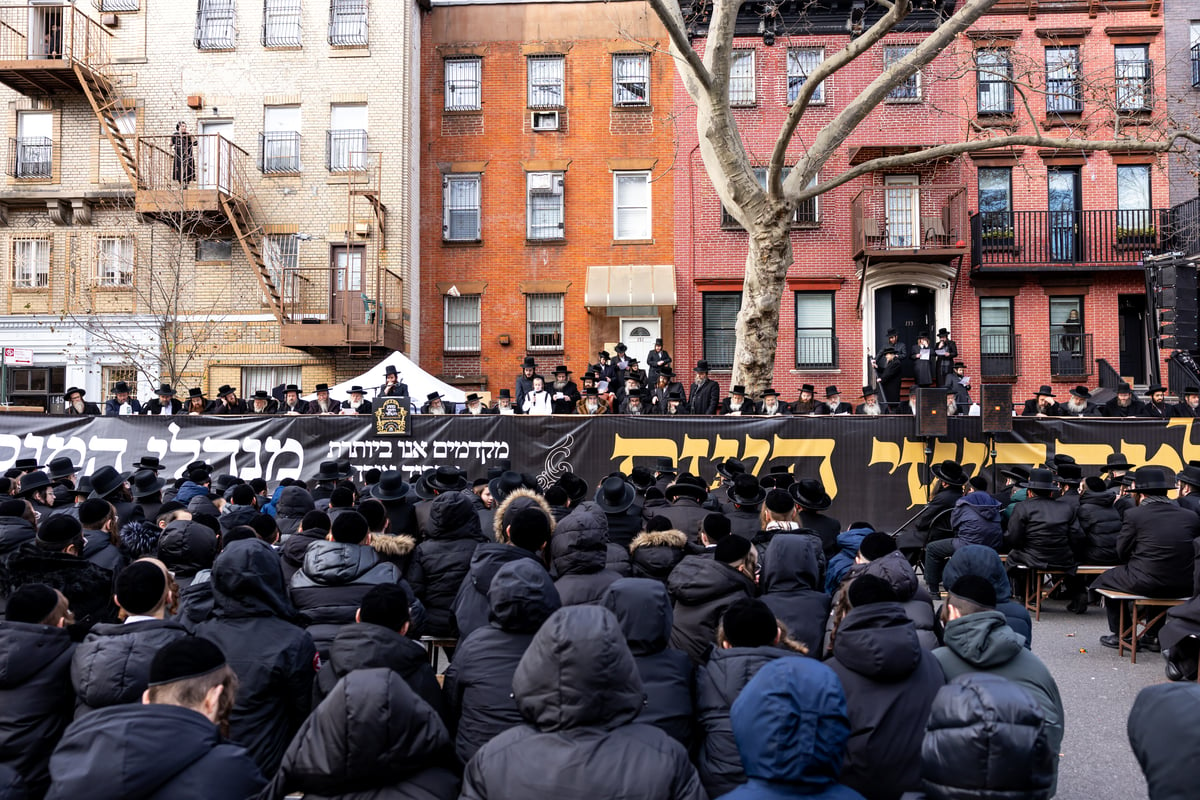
x=672 y=19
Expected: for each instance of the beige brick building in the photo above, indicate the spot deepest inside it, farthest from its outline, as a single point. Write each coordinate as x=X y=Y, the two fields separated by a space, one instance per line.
x=273 y=242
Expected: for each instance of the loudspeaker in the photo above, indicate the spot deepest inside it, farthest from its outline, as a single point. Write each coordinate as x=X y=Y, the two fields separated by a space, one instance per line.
x=931 y=412
x=997 y=408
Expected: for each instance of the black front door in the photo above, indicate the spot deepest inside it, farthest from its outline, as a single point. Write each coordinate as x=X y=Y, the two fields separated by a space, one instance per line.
x=1131 y=312
x=908 y=309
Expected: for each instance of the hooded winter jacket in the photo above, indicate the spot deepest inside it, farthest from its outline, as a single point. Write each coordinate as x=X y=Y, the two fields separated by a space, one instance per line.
x=187 y=547
x=254 y=624
x=440 y=562
x=188 y=491
x=718 y=684
x=290 y=506
x=12 y=785
x=984 y=562
x=913 y=597
x=150 y=752
x=36 y=701
x=470 y=604
x=87 y=587
x=112 y=665
x=372 y=737
x=362 y=645
x=848 y=544
x=976 y=520
x=890 y=682
x=701 y=589
x=14 y=532
x=579 y=693
x=478 y=682
x=1101 y=524
x=195 y=601
x=789 y=586
x=293 y=550
x=643 y=608
x=1163 y=734
x=983 y=642
x=780 y=761
x=578 y=554
x=654 y=554
x=99 y=549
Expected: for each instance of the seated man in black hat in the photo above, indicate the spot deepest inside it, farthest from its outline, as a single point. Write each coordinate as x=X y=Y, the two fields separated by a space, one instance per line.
x=1125 y=404
x=525 y=380
x=704 y=394
x=75 y=404
x=122 y=402
x=1189 y=404
x=592 y=403
x=635 y=403
x=392 y=385
x=771 y=405
x=806 y=404
x=504 y=404
x=676 y=404
x=833 y=404
x=870 y=405
x=934 y=521
x=473 y=406
x=196 y=402
x=736 y=404
x=1079 y=404
x=1156 y=404
x=323 y=404
x=657 y=398
x=261 y=402
x=564 y=395
x=1043 y=530
x=636 y=372
x=163 y=403
x=1042 y=404
x=227 y=402
x=433 y=404
x=292 y=403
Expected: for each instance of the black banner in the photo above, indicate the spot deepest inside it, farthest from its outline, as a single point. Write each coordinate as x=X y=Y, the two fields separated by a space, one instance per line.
x=874 y=467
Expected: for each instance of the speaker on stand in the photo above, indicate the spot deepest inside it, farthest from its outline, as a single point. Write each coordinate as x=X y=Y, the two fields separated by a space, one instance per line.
x=996 y=412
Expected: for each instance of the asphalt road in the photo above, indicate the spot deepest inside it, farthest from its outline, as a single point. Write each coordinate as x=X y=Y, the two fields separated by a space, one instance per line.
x=1098 y=688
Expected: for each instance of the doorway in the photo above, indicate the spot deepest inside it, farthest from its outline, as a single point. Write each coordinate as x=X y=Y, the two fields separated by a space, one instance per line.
x=908 y=309
x=638 y=334
x=215 y=160
x=1131 y=315
x=346 y=301
x=1063 y=207
x=45 y=38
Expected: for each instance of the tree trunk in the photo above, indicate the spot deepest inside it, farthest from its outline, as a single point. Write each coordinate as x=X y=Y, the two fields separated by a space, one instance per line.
x=767 y=262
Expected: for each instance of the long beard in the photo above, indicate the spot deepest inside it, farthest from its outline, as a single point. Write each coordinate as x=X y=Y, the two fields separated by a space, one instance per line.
x=871 y=410
x=77 y=405
x=734 y=406
x=591 y=406
x=438 y=410
x=1125 y=403
x=560 y=385
x=951 y=407
x=473 y=410
x=1078 y=406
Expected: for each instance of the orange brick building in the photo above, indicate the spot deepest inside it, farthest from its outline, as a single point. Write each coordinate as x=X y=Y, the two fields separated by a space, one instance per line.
x=547 y=172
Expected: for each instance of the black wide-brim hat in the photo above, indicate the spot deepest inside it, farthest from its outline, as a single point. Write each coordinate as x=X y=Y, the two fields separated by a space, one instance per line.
x=730 y=468
x=1153 y=479
x=145 y=483
x=575 y=487
x=615 y=495
x=1018 y=474
x=391 y=486
x=746 y=491
x=689 y=487
x=1116 y=461
x=1190 y=475
x=62 y=466
x=950 y=472
x=446 y=479
x=505 y=484
x=105 y=481
x=1041 y=480
x=810 y=493
x=31 y=482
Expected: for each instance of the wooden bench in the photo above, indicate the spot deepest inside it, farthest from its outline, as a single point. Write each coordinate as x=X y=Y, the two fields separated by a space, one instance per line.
x=1136 y=602
x=1036 y=589
x=436 y=646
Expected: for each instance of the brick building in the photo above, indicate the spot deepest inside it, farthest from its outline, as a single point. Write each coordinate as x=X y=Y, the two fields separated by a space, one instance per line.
x=1182 y=32
x=547 y=173
x=270 y=245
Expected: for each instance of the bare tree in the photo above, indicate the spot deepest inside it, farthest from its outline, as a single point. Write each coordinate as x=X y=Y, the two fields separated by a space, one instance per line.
x=766 y=212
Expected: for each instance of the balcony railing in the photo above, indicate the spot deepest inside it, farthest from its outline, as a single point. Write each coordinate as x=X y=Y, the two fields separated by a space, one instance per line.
x=1183 y=228
x=1071 y=355
x=345 y=150
x=909 y=220
x=1196 y=65
x=180 y=163
x=279 y=152
x=57 y=32
x=1135 y=85
x=995 y=95
x=999 y=355
x=1092 y=239
x=816 y=352
x=323 y=295
x=1182 y=372
x=30 y=157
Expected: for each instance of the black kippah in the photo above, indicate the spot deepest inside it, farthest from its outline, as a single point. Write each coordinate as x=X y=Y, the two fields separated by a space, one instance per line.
x=716 y=527
x=749 y=622
x=732 y=548
x=867 y=589
x=189 y=657
x=876 y=544
x=140 y=587
x=976 y=589
x=780 y=501
x=32 y=603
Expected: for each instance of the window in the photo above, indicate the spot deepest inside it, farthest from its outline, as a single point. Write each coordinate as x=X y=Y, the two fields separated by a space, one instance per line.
x=31 y=154
x=993 y=71
x=1068 y=342
x=216 y=25
x=348 y=23
x=463 y=82
x=214 y=250
x=801 y=61
x=281 y=23
x=117 y=5
x=720 y=323
x=111 y=376
x=31 y=263
x=461 y=198
x=1133 y=71
x=544 y=321
x=346 y=140
x=631 y=205
x=995 y=205
x=546 y=81
x=1064 y=94
x=631 y=79
x=1194 y=39
x=279 y=143
x=816 y=345
x=807 y=213
x=741 y=78
x=997 y=346
x=910 y=90
x=268 y=378
x=462 y=323
x=281 y=253
x=114 y=261
x=544 y=205
x=1134 y=215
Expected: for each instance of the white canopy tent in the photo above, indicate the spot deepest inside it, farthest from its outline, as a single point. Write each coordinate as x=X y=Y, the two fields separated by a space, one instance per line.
x=420 y=383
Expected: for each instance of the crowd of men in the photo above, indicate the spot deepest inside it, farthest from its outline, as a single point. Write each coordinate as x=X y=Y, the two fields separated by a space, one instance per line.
x=658 y=635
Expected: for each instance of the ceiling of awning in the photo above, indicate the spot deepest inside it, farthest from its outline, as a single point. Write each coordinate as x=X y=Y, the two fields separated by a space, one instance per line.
x=641 y=285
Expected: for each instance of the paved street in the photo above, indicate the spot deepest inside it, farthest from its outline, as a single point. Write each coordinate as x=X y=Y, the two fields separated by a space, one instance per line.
x=1098 y=689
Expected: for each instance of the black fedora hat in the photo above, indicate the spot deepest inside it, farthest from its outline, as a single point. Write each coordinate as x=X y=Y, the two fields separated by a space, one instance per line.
x=291 y=387
x=1018 y=474
x=769 y=392
x=1041 y=480
x=810 y=493
x=664 y=464
x=148 y=463
x=1157 y=387
x=1070 y=474
x=105 y=481
x=529 y=363
x=687 y=486
x=473 y=397
x=731 y=468
x=446 y=479
x=1081 y=392
x=226 y=390
x=701 y=366
x=950 y=472
x=32 y=481
x=780 y=477
x=1190 y=476
x=1116 y=461
x=433 y=396
x=746 y=491
x=615 y=495
x=345 y=470
x=808 y=387
x=74 y=390
x=321 y=387
x=666 y=372
x=832 y=391
x=868 y=391
x=504 y=394
x=261 y=394
x=27 y=464
x=195 y=392
x=1190 y=390
x=390 y=369
x=61 y=467
x=1124 y=388
x=561 y=369
x=943 y=332
x=738 y=389
x=165 y=390
x=145 y=483
x=575 y=487
x=1153 y=479
x=327 y=471
x=120 y=387
x=641 y=477
x=1045 y=390
x=892 y=332
x=391 y=486
x=505 y=484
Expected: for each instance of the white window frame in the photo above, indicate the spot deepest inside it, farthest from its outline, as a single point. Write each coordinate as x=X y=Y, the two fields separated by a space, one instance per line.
x=632 y=178
x=902 y=93
x=31 y=262
x=541 y=185
x=820 y=350
x=344 y=153
x=455 y=186
x=544 y=316
x=282 y=25
x=459 y=75
x=462 y=323
x=543 y=77
x=349 y=23
x=742 y=68
x=268 y=378
x=276 y=157
x=216 y=25
x=631 y=70
x=114 y=261
x=797 y=68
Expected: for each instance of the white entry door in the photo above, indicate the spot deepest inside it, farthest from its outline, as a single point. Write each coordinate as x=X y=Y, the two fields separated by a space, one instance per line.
x=638 y=334
x=903 y=210
x=214 y=154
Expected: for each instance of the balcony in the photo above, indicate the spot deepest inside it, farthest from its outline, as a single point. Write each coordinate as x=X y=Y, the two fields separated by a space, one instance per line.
x=189 y=174
x=30 y=158
x=999 y=354
x=329 y=308
x=345 y=150
x=909 y=223
x=1183 y=228
x=1070 y=356
x=41 y=45
x=279 y=152
x=1007 y=241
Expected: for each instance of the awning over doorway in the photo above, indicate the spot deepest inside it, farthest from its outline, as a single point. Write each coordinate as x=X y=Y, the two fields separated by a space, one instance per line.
x=623 y=285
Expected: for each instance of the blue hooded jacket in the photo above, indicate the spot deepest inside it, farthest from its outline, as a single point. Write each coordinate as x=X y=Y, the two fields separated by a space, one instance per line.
x=976 y=520
x=975 y=559
x=791 y=728
x=849 y=542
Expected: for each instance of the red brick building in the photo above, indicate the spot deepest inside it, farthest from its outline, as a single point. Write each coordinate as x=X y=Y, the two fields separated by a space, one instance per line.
x=546 y=187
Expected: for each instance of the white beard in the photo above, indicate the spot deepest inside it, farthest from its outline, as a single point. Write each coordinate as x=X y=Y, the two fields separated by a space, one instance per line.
x=770 y=408
x=871 y=410
x=438 y=410
x=735 y=406
x=474 y=410
x=78 y=406
x=592 y=407
x=951 y=407
x=1076 y=406
x=505 y=409
x=259 y=407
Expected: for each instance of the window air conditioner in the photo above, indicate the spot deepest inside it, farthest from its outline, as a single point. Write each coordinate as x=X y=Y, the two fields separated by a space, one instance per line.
x=544 y=120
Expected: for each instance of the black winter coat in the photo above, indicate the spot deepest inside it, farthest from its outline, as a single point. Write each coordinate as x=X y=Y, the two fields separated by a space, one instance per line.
x=112 y=665
x=440 y=562
x=154 y=752
x=579 y=693
x=254 y=624
x=913 y=597
x=789 y=582
x=643 y=608
x=98 y=549
x=87 y=587
x=1041 y=532
x=624 y=527
x=187 y=547
x=36 y=701
x=1101 y=526
x=654 y=554
x=14 y=532
x=1155 y=551
x=295 y=547
x=478 y=683
x=372 y=737
x=292 y=504
x=195 y=601
x=826 y=527
x=890 y=681
x=703 y=398
x=701 y=589
x=685 y=515
x=1164 y=737
x=471 y=603
x=578 y=556
x=718 y=684
x=934 y=520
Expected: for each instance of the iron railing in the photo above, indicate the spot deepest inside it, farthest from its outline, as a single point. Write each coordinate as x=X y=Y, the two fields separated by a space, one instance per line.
x=999 y=355
x=1196 y=65
x=1182 y=372
x=30 y=157
x=345 y=150
x=1106 y=376
x=1091 y=239
x=348 y=23
x=1183 y=228
x=1071 y=355
x=53 y=32
x=116 y=5
x=177 y=162
x=909 y=219
x=216 y=25
x=816 y=352
x=279 y=152
x=282 y=24
x=1135 y=85
x=328 y=295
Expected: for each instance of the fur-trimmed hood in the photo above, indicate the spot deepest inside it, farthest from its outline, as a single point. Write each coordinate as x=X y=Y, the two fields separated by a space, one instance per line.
x=517 y=500
x=392 y=545
x=671 y=538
